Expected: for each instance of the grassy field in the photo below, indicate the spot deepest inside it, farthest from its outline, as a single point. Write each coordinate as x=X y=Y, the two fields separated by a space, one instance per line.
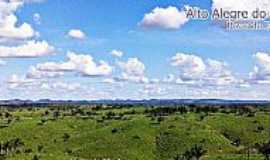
x=133 y=133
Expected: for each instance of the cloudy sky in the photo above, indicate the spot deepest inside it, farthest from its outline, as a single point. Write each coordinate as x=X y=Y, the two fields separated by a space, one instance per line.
x=129 y=49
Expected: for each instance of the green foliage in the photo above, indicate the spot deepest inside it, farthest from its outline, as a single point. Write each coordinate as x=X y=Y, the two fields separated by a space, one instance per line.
x=134 y=133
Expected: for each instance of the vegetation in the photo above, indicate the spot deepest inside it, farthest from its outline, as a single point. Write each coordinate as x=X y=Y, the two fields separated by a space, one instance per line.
x=128 y=132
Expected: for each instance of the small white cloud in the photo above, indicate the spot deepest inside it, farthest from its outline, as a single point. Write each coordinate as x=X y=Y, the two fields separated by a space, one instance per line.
x=193 y=68
x=154 y=80
x=116 y=53
x=66 y=86
x=167 y=18
x=109 y=81
x=83 y=64
x=34 y=73
x=28 y=50
x=15 y=81
x=56 y=66
x=8 y=28
x=8 y=8
x=86 y=65
x=37 y=18
x=261 y=71
x=76 y=34
x=152 y=90
x=133 y=67
x=60 y=86
x=45 y=86
x=133 y=70
x=218 y=73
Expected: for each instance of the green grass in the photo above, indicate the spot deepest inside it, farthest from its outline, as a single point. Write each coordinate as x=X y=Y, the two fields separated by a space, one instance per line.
x=134 y=137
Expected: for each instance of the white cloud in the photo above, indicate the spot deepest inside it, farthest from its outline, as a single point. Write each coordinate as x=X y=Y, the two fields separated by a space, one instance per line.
x=45 y=86
x=34 y=73
x=179 y=81
x=37 y=87
x=65 y=86
x=83 y=64
x=154 y=80
x=261 y=71
x=15 y=81
x=116 y=53
x=133 y=70
x=194 y=69
x=218 y=73
x=167 y=18
x=133 y=67
x=191 y=66
x=109 y=81
x=86 y=65
x=56 y=67
x=8 y=8
x=152 y=90
x=76 y=34
x=30 y=49
x=37 y=18
x=8 y=29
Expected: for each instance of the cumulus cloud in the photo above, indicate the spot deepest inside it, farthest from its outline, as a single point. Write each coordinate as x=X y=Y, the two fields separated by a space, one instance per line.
x=8 y=8
x=83 y=64
x=133 y=67
x=193 y=68
x=8 y=29
x=167 y=18
x=116 y=53
x=261 y=71
x=76 y=34
x=133 y=70
x=218 y=73
x=30 y=49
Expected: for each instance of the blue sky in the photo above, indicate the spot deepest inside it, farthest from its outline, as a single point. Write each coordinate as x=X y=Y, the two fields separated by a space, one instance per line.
x=164 y=56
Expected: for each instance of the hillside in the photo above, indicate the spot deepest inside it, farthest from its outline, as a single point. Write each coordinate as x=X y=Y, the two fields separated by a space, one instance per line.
x=133 y=133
